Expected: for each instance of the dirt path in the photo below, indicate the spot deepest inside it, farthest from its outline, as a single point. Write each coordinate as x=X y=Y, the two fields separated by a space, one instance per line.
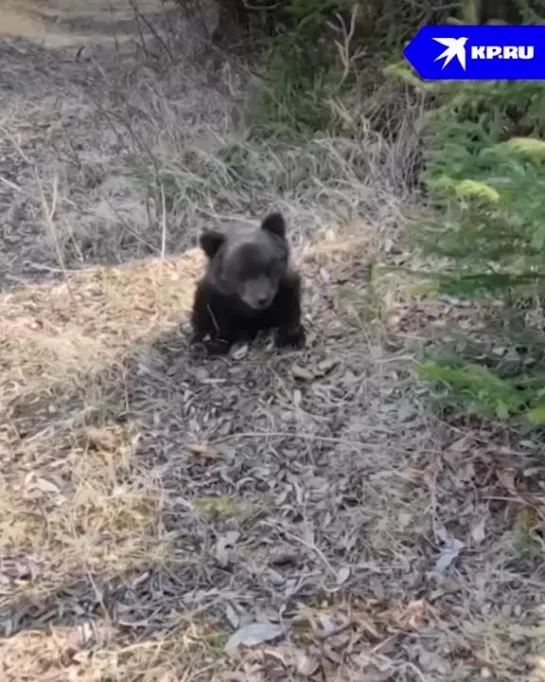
x=65 y=22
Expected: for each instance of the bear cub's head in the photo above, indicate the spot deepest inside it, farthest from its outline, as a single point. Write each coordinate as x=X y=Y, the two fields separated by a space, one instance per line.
x=248 y=264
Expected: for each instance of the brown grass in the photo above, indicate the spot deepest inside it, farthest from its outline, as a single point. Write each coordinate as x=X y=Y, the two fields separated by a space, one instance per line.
x=154 y=502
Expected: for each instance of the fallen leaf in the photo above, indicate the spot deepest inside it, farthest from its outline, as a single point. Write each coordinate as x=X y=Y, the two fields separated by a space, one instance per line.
x=415 y=615
x=450 y=550
x=342 y=575
x=306 y=666
x=201 y=374
x=201 y=449
x=232 y=616
x=231 y=538
x=532 y=472
x=328 y=625
x=253 y=634
x=81 y=636
x=478 y=532
x=405 y=411
x=431 y=662
x=461 y=445
x=325 y=366
x=540 y=611
x=23 y=570
x=101 y=438
x=223 y=545
x=240 y=352
x=46 y=486
x=466 y=472
x=507 y=479
x=6 y=627
x=302 y=373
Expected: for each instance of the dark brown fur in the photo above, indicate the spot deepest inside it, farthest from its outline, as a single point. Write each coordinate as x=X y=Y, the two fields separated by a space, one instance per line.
x=248 y=287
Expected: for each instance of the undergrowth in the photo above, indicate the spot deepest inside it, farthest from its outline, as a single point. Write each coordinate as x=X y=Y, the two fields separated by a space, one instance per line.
x=325 y=64
x=483 y=238
x=483 y=175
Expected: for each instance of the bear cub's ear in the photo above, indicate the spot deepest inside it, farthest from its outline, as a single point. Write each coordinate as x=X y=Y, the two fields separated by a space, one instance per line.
x=210 y=242
x=275 y=223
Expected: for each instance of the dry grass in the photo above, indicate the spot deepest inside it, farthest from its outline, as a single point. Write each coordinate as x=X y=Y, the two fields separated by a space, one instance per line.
x=153 y=502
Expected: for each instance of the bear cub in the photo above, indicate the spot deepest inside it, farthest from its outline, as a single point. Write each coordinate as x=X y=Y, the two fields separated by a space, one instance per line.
x=248 y=286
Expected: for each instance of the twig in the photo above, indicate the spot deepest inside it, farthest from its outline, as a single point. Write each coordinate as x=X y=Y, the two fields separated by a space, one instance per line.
x=154 y=31
x=134 y=5
x=347 y=59
x=49 y=214
x=164 y=222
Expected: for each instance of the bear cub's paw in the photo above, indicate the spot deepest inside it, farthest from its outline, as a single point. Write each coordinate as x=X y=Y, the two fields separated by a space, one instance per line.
x=211 y=346
x=217 y=347
x=294 y=337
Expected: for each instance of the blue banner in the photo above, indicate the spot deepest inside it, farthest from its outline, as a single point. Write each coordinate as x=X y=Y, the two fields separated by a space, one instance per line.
x=478 y=53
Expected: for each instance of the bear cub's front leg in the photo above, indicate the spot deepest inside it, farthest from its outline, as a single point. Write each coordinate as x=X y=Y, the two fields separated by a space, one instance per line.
x=210 y=319
x=291 y=331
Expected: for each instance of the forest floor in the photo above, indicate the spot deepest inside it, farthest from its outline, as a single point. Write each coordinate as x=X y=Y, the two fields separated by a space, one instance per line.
x=267 y=516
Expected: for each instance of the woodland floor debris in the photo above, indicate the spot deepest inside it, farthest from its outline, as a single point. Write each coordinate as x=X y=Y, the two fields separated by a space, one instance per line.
x=278 y=516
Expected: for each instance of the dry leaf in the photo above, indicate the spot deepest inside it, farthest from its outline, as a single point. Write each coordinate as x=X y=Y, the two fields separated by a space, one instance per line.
x=46 y=486
x=342 y=575
x=325 y=366
x=461 y=445
x=232 y=616
x=253 y=634
x=450 y=550
x=415 y=615
x=478 y=532
x=328 y=625
x=223 y=545
x=532 y=472
x=201 y=374
x=201 y=449
x=540 y=611
x=306 y=666
x=81 y=636
x=302 y=373
x=240 y=352
x=222 y=555
x=23 y=570
x=101 y=438
x=507 y=479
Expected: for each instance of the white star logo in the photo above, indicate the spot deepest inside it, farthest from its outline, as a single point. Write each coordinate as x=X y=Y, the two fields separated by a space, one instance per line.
x=455 y=48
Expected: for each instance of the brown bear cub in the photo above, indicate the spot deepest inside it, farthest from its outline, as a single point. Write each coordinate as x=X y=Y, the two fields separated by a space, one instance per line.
x=248 y=286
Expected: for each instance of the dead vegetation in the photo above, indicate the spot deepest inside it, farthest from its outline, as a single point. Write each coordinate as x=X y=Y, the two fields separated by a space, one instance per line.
x=271 y=516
